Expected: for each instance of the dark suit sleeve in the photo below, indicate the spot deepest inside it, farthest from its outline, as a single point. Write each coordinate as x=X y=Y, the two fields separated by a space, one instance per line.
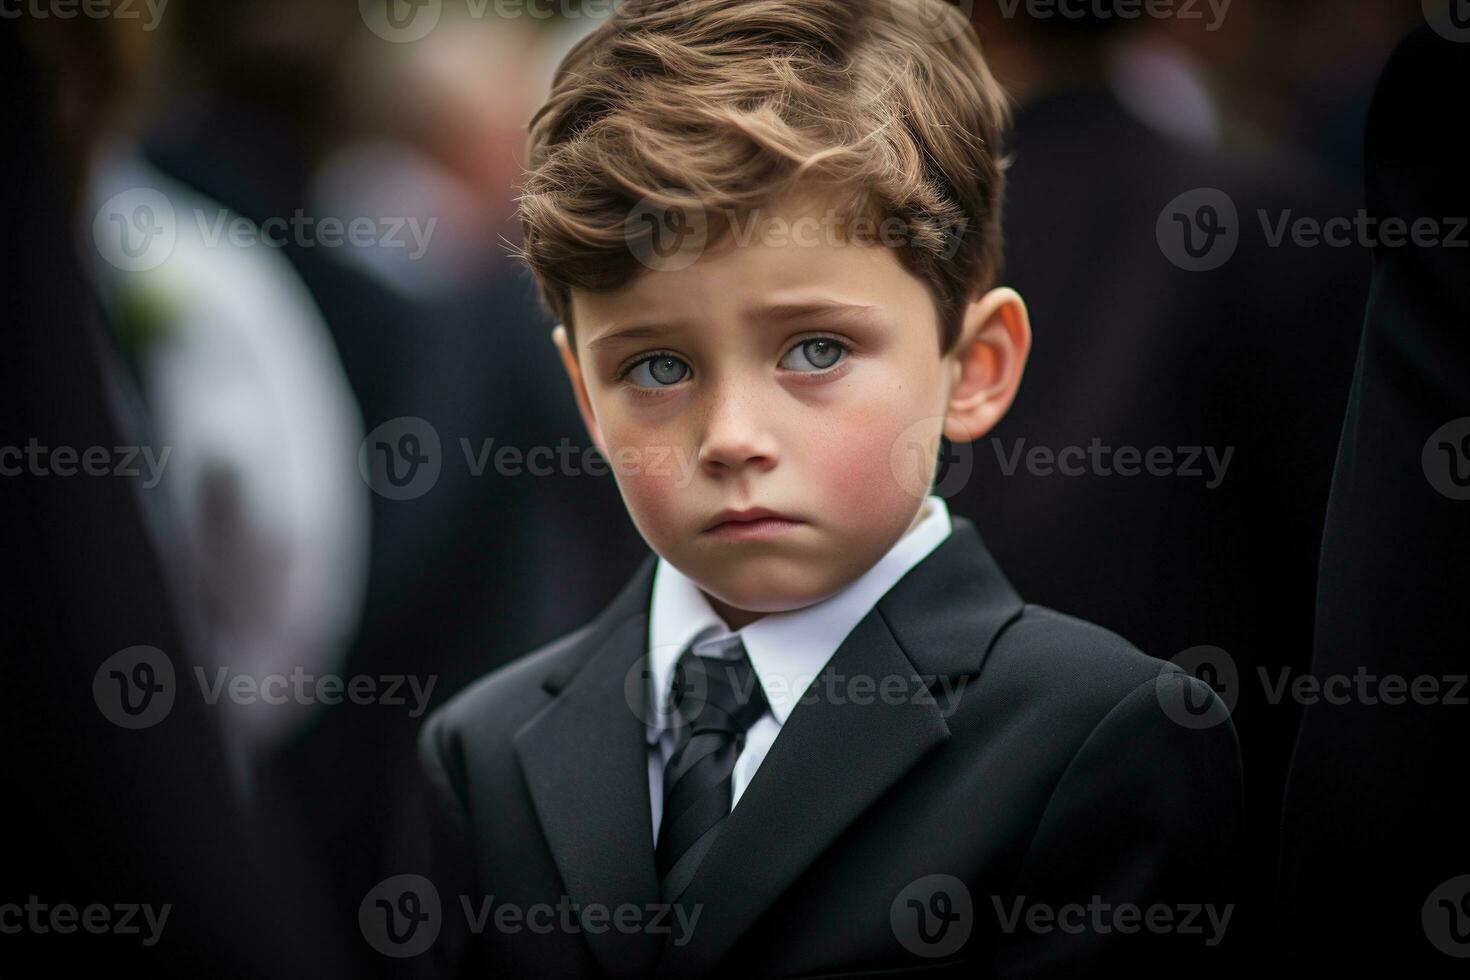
x=1370 y=829
x=1145 y=821
x=456 y=952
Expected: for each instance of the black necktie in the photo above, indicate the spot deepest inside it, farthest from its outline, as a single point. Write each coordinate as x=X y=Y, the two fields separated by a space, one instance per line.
x=718 y=700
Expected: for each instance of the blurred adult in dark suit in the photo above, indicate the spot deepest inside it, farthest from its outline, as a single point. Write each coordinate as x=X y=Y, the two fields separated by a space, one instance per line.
x=1183 y=413
x=1375 y=868
x=130 y=851
x=457 y=567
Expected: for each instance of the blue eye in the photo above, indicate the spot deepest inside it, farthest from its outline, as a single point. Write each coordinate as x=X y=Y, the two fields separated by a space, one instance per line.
x=819 y=353
x=658 y=371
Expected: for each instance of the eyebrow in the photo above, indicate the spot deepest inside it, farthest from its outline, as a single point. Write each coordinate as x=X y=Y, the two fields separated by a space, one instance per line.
x=780 y=312
x=615 y=337
x=816 y=310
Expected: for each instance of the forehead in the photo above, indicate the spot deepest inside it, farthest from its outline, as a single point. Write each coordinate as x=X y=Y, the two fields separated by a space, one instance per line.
x=792 y=256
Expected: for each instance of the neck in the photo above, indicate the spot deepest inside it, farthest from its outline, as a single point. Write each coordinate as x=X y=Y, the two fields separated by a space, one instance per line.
x=734 y=618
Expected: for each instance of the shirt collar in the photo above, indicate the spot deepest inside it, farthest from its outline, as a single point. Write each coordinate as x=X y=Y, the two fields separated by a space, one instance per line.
x=787 y=649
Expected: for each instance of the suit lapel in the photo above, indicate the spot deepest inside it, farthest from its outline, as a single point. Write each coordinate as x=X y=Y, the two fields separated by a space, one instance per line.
x=586 y=763
x=836 y=756
x=830 y=762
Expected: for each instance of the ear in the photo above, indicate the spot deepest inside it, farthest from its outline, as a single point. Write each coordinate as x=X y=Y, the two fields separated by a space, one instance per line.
x=988 y=360
x=579 y=386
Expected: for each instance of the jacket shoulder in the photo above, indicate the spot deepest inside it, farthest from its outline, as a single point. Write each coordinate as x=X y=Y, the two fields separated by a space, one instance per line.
x=1091 y=701
x=1073 y=665
x=496 y=705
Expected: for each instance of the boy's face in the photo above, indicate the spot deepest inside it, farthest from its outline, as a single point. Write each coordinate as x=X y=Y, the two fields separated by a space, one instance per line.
x=801 y=375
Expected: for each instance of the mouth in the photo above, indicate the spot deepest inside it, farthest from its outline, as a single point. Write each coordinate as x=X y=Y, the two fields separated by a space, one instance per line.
x=756 y=522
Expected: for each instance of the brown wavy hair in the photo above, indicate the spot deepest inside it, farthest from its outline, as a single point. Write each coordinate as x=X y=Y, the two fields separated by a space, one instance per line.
x=724 y=105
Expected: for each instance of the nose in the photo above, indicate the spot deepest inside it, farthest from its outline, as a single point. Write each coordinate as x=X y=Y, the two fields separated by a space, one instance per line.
x=736 y=433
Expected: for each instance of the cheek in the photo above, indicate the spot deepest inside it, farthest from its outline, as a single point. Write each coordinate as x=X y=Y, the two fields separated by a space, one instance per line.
x=862 y=479
x=649 y=494
x=652 y=474
x=885 y=444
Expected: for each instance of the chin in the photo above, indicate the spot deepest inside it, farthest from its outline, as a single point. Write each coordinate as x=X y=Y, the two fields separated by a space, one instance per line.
x=764 y=589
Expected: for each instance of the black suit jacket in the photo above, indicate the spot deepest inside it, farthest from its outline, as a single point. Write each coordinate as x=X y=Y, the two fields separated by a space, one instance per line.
x=1057 y=773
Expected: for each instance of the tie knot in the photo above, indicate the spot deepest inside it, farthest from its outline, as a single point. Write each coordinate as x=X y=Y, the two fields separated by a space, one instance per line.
x=717 y=693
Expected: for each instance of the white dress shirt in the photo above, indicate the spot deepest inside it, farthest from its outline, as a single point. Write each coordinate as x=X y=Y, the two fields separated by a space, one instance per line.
x=787 y=650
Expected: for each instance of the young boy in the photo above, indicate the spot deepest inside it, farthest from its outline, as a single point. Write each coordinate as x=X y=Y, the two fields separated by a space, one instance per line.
x=818 y=733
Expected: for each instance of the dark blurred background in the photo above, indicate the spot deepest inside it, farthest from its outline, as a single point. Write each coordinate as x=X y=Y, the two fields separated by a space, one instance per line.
x=333 y=502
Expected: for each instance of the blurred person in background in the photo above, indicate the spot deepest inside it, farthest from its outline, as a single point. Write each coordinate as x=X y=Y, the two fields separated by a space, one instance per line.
x=131 y=833
x=1288 y=78
x=1240 y=365
x=296 y=111
x=238 y=376
x=435 y=130
x=1374 y=853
